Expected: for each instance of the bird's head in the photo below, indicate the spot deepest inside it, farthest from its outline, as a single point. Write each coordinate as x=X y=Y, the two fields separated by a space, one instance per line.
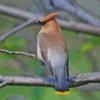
x=46 y=19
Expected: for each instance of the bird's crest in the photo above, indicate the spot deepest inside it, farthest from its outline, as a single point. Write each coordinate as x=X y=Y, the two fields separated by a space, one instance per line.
x=49 y=17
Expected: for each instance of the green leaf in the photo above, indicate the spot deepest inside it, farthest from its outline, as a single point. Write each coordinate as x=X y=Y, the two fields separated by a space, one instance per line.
x=86 y=47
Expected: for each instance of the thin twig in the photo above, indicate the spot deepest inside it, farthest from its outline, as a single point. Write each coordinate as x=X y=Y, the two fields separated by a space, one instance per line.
x=22 y=53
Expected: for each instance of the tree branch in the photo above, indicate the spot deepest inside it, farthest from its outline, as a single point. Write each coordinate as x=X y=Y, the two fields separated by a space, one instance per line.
x=16 y=29
x=22 y=53
x=19 y=13
x=70 y=8
x=79 y=27
x=81 y=79
x=32 y=17
x=4 y=83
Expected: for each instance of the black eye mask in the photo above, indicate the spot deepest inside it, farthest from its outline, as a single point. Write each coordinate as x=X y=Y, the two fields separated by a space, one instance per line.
x=42 y=23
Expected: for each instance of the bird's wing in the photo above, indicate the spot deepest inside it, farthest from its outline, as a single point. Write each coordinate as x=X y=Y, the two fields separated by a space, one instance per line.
x=48 y=63
x=44 y=49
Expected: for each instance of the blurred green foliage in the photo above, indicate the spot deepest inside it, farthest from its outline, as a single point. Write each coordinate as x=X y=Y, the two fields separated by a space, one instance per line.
x=78 y=60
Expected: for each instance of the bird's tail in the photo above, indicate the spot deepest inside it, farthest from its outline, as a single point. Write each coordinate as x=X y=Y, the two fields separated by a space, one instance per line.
x=61 y=84
x=62 y=93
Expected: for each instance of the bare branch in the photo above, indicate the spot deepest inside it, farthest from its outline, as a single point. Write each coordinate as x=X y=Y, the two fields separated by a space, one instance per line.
x=4 y=83
x=19 y=13
x=64 y=24
x=79 y=27
x=75 y=11
x=81 y=79
x=16 y=29
x=22 y=53
x=19 y=80
x=88 y=77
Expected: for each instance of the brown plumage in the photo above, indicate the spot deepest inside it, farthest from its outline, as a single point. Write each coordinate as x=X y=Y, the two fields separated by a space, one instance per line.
x=52 y=49
x=49 y=17
x=52 y=32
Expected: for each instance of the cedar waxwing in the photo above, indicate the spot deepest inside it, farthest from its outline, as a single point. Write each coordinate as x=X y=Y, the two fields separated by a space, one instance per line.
x=52 y=50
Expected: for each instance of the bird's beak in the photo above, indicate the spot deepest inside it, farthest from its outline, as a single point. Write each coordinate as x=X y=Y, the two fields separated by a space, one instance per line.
x=36 y=22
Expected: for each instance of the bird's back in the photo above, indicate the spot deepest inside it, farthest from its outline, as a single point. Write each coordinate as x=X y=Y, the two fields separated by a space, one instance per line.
x=52 y=33
x=53 y=45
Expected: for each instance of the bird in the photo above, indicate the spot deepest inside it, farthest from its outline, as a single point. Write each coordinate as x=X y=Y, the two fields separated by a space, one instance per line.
x=52 y=50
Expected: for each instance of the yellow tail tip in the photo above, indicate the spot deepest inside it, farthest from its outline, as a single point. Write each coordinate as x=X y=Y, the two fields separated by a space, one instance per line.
x=62 y=93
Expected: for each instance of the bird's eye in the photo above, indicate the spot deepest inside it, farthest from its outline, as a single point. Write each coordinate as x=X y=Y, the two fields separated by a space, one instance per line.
x=42 y=23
